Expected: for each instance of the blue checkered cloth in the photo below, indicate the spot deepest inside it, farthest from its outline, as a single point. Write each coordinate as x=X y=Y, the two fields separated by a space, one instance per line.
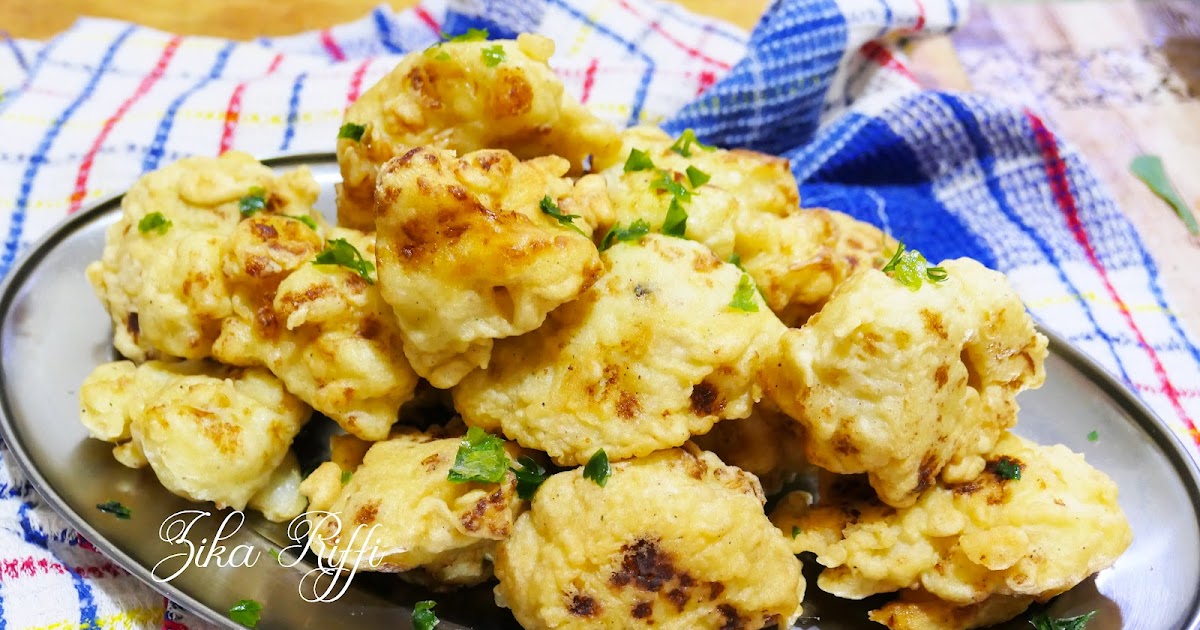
x=85 y=114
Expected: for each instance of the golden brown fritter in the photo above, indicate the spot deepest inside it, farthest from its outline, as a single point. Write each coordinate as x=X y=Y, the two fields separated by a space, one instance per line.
x=451 y=98
x=799 y=259
x=467 y=255
x=397 y=511
x=650 y=355
x=767 y=444
x=996 y=534
x=322 y=329
x=210 y=432
x=163 y=287
x=749 y=207
x=906 y=385
x=918 y=610
x=673 y=540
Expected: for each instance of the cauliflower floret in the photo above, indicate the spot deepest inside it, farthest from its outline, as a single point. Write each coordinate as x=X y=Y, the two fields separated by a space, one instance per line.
x=397 y=511
x=451 y=98
x=1034 y=523
x=673 y=540
x=324 y=330
x=468 y=254
x=163 y=286
x=905 y=385
x=767 y=444
x=210 y=432
x=652 y=354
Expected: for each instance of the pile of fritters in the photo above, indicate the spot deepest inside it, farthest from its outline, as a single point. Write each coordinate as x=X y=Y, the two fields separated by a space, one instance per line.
x=582 y=294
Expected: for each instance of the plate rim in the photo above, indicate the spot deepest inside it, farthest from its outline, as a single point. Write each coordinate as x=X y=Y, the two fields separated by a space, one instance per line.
x=1172 y=444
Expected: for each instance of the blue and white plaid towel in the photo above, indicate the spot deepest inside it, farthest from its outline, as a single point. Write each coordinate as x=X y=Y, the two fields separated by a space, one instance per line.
x=951 y=174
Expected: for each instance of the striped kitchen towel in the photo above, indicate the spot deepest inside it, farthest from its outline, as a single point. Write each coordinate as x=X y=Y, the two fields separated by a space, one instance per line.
x=81 y=116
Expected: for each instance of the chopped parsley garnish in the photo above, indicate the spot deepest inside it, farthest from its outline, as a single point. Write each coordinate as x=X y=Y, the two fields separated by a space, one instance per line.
x=339 y=251
x=1149 y=169
x=676 y=222
x=305 y=219
x=697 y=177
x=635 y=231
x=352 y=131
x=254 y=201
x=683 y=145
x=597 y=468
x=529 y=477
x=346 y=476
x=1006 y=468
x=638 y=160
x=156 y=222
x=549 y=207
x=743 y=296
x=472 y=35
x=493 y=55
x=909 y=267
x=480 y=457
x=116 y=509
x=246 y=612
x=423 y=617
x=795 y=532
x=736 y=261
x=274 y=553
x=666 y=181
x=1043 y=621
x=1094 y=436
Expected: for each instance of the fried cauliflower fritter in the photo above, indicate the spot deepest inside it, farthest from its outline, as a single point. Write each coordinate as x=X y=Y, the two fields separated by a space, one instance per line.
x=767 y=444
x=673 y=540
x=322 y=329
x=760 y=182
x=1034 y=523
x=163 y=286
x=650 y=355
x=467 y=255
x=210 y=432
x=451 y=98
x=397 y=511
x=918 y=610
x=799 y=259
x=906 y=385
x=749 y=207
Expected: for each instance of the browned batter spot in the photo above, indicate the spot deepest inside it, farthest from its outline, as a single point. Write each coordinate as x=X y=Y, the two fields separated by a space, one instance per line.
x=934 y=323
x=642 y=610
x=628 y=405
x=942 y=375
x=583 y=606
x=645 y=565
x=925 y=473
x=367 y=513
x=132 y=325
x=265 y=231
x=732 y=620
x=369 y=328
x=706 y=400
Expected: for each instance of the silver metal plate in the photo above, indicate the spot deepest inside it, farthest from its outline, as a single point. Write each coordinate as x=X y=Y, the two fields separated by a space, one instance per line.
x=53 y=331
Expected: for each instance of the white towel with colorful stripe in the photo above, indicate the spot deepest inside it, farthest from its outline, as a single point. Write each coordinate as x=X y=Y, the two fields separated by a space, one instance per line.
x=83 y=115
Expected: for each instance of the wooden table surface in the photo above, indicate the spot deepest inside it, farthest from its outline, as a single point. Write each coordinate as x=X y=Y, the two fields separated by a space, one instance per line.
x=1001 y=51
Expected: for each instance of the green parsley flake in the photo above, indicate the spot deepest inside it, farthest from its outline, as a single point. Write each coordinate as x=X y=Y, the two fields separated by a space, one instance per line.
x=743 y=296
x=480 y=457
x=909 y=268
x=1043 y=621
x=1094 y=436
x=305 y=219
x=683 y=145
x=795 y=532
x=697 y=177
x=352 y=131
x=274 y=554
x=529 y=477
x=255 y=201
x=116 y=509
x=493 y=55
x=156 y=222
x=676 y=222
x=246 y=612
x=346 y=476
x=472 y=35
x=1149 y=169
x=340 y=252
x=666 y=182
x=597 y=468
x=423 y=617
x=736 y=261
x=1005 y=468
x=549 y=207
x=635 y=231
x=638 y=160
